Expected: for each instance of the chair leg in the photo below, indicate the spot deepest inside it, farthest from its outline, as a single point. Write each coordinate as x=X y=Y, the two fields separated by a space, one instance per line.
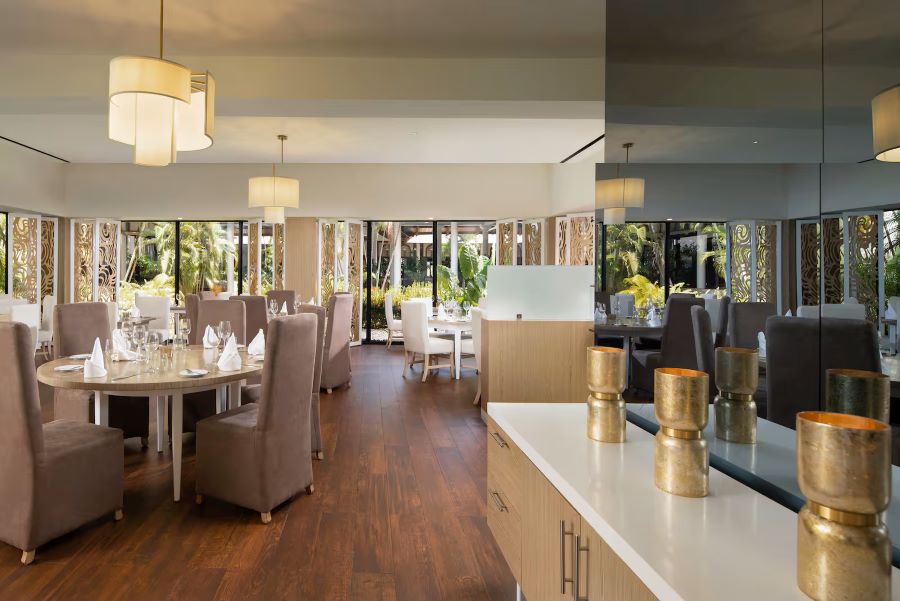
x=266 y=517
x=27 y=557
x=426 y=366
x=405 y=362
x=328 y=390
x=119 y=515
x=478 y=393
x=390 y=338
x=310 y=489
x=198 y=499
x=145 y=442
x=319 y=455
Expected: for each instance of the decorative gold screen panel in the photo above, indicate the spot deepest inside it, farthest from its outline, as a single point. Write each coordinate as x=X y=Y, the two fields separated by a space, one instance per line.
x=253 y=257
x=533 y=241
x=562 y=247
x=83 y=258
x=326 y=266
x=582 y=241
x=741 y=255
x=23 y=258
x=506 y=240
x=862 y=263
x=809 y=263
x=107 y=262
x=354 y=266
x=48 y=257
x=833 y=259
x=766 y=263
x=278 y=256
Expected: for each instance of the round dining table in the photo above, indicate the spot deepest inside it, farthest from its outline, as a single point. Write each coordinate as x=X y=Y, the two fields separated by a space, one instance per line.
x=134 y=379
x=456 y=327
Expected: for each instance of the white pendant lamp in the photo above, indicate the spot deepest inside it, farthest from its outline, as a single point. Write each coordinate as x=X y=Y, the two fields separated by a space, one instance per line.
x=617 y=194
x=274 y=194
x=886 y=125
x=159 y=106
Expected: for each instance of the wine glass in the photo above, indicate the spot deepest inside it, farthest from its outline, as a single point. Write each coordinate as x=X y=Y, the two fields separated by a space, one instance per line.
x=273 y=307
x=185 y=327
x=152 y=350
x=224 y=332
x=139 y=334
x=297 y=305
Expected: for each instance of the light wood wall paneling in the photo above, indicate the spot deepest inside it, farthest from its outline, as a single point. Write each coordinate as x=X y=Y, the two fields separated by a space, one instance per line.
x=301 y=266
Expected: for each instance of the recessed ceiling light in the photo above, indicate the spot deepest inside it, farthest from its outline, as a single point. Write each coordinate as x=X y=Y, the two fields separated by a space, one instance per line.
x=756 y=141
x=668 y=219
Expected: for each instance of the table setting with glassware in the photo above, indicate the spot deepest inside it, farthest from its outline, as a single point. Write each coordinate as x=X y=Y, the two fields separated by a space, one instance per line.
x=133 y=362
x=626 y=321
x=456 y=320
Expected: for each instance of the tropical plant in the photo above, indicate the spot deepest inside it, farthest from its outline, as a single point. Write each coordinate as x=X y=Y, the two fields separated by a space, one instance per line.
x=467 y=288
x=633 y=248
x=643 y=290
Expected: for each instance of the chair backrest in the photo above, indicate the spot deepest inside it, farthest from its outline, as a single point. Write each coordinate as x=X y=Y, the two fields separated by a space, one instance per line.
x=746 y=321
x=112 y=314
x=320 y=313
x=626 y=304
x=287 y=377
x=799 y=350
x=392 y=323
x=30 y=315
x=718 y=316
x=894 y=303
x=211 y=312
x=703 y=344
x=256 y=313
x=156 y=307
x=414 y=315
x=77 y=325
x=678 y=334
x=336 y=362
x=283 y=297
x=476 y=335
x=844 y=311
x=47 y=312
x=191 y=303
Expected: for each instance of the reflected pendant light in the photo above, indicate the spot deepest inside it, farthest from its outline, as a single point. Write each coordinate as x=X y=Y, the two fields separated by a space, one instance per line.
x=159 y=107
x=274 y=194
x=886 y=125
x=617 y=194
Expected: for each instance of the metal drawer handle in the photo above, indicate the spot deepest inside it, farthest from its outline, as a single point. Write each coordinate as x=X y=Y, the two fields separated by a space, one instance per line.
x=563 y=533
x=576 y=570
x=501 y=506
x=499 y=440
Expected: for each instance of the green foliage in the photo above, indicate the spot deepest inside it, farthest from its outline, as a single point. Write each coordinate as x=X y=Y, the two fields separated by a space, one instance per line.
x=892 y=277
x=643 y=290
x=161 y=285
x=376 y=309
x=468 y=289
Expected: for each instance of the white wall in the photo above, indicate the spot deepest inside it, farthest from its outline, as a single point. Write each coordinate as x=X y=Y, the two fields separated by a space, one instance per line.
x=572 y=184
x=367 y=191
x=30 y=181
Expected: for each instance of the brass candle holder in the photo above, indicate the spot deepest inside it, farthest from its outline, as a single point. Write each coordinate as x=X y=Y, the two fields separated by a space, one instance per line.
x=737 y=376
x=858 y=392
x=606 y=380
x=843 y=468
x=681 y=456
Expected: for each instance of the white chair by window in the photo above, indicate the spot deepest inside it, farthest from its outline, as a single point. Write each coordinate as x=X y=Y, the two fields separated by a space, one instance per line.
x=472 y=346
x=851 y=310
x=45 y=333
x=394 y=326
x=30 y=315
x=417 y=340
x=156 y=307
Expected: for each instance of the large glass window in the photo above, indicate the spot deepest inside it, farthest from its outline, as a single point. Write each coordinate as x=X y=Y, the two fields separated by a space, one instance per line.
x=3 y=217
x=695 y=257
x=208 y=258
x=635 y=256
x=148 y=259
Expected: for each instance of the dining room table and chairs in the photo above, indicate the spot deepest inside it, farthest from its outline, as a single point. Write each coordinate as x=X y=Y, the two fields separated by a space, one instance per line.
x=282 y=299
x=158 y=309
x=420 y=344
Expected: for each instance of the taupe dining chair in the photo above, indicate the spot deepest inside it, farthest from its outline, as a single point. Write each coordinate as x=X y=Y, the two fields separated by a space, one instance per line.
x=256 y=313
x=54 y=477
x=191 y=302
x=746 y=321
x=336 y=361
x=704 y=345
x=259 y=455
x=283 y=297
x=76 y=326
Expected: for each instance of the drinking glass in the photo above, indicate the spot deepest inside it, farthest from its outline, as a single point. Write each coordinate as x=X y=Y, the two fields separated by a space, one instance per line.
x=297 y=305
x=225 y=332
x=273 y=307
x=139 y=334
x=185 y=327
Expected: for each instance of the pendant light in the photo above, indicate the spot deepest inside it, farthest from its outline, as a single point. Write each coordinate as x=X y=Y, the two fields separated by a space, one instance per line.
x=886 y=125
x=159 y=106
x=274 y=194
x=617 y=194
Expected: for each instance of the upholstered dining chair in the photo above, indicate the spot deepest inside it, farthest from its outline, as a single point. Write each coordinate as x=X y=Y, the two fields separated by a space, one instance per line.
x=418 y=341
x=718 y=316
x=191 y=304
x=746 y=321
x=394 y=326
x=156 y=307
x=336 y=361
x=704 y=345
x=283 y=297
x=76 y=326
x=259 y=455
x=54 y=477
x=45 y=334
x=677 y=348
x=799 y=351
x=256 y=312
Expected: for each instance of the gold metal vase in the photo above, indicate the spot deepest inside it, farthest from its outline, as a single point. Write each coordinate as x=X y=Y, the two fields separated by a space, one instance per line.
x=681 y=456
x=858 y=392
x=843 y=468
x=606 y=373
x=737 y=376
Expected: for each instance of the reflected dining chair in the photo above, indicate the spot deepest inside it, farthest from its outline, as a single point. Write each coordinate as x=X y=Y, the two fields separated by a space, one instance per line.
x=76 y=326
x=677 y=347
x=156 y=307
x=394 y=326
x=283 y=297
x=54 y=477
x=336 y=360
x=746 y=321
x=259 y=455
x=718 y=317
x=704 y=345
x=418 y=341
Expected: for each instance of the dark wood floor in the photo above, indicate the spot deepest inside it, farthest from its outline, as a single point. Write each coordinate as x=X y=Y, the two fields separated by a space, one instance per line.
x=398 y=513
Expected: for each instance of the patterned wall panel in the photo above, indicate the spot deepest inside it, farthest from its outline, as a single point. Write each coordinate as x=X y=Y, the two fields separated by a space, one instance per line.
x=253 y=267
x=83 y=258
x=278 y=256
x=533 y=241
x=766 y=263
x=326 y=266
x=562 y=247
x=48 y=257
x=582 y=241
x=354 y=271
x=23 y=259
x=740 y=240
x=833 y=259
x=809 y=263
x=863 y=262
x=506 y=241
x=107 y=261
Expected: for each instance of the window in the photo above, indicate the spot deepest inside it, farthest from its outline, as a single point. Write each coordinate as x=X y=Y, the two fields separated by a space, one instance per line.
x=632 y=250
x=3 y=218
x=148 y=260
x=208 y=258
x=695 y=257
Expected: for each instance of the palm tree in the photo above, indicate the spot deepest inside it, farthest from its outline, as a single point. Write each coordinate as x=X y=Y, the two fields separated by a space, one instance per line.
x=630 y=245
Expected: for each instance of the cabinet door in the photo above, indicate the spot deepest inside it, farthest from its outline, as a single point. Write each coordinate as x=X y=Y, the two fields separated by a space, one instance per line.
x=549 y=528
x=603 y=575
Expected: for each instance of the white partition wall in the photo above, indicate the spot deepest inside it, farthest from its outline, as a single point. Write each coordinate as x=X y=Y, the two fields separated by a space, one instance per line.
x=540 y=292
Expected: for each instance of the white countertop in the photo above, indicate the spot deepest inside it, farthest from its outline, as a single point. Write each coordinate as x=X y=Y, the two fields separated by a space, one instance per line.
x=734 y=544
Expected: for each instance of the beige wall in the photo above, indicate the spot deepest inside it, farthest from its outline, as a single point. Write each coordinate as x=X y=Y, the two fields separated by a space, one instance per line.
x=300 y=256
x=30 y=181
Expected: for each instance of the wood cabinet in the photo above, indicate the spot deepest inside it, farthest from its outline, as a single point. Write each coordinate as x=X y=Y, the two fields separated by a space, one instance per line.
x=505 y=496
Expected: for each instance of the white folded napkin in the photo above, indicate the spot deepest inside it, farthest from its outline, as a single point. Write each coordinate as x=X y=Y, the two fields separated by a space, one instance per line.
x=312 y=301
x=135 y=312
x=120 y=346
x=890 y=313
x=210 y=340
x=257 y=346
x=94 y=367
x=651 y=314
x=761 y=340
x=441 y=312
x=283 y=309
x=230 y=359
x=788 y=314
